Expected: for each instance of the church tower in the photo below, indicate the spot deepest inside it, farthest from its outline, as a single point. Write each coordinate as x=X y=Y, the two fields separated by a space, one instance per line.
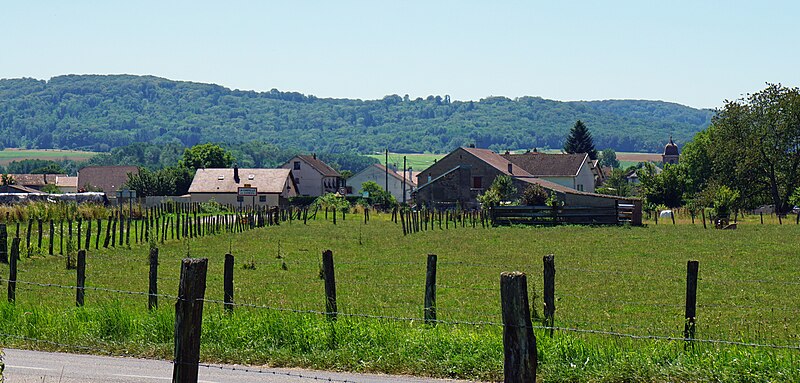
x=670 y=155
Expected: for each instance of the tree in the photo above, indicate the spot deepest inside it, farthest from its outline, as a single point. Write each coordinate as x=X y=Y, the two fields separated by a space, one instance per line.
x=206 y=156
x=580 y=140
x=616 y=184
x=608 y=157
x=665 y=188
x=377 y=195
x=534 y=195
x=754 y=144
x=502 y=189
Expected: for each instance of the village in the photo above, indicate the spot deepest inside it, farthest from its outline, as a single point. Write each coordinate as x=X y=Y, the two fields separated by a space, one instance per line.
x=457 y=180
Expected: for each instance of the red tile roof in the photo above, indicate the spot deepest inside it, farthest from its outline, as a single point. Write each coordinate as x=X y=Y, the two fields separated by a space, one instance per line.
x=497 y=161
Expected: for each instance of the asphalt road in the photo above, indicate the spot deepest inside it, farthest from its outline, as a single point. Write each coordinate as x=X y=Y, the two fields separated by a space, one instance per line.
x=49 y=367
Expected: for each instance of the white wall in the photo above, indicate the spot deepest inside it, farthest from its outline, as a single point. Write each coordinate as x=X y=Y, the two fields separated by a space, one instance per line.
x=308 y=179
x=378 y=176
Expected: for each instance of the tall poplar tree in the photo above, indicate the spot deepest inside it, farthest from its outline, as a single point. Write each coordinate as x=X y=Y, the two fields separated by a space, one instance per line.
x=580 y=140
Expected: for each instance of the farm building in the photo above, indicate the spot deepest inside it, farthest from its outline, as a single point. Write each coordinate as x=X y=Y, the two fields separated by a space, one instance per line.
x=67 y=184
x=575 y=171
x=462 y=175
x=312 y=176
x=107 y=179
x=273 y=186
x=35 y=181
x=378 y=173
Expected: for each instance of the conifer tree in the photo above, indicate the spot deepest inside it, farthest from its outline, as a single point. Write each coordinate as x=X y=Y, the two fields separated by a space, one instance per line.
x=580 y=140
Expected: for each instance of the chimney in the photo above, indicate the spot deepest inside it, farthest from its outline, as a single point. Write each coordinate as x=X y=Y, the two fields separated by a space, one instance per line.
x=236 y=173
x=314 y=156
x=510 y=168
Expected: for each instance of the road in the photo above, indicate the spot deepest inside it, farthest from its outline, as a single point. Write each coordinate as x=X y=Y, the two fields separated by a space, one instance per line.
x=49 y=367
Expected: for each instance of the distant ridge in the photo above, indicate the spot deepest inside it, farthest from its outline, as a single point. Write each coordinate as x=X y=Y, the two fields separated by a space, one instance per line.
x=99 y=112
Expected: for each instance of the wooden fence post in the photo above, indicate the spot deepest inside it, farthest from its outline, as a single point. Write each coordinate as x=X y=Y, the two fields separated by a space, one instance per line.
x=691 y=300
x=39 y=227
x=12 y=270
x=189 y=319
x=703 y=211
x=80 y=232
x=549 y=291
x=519 y=343
x=81 y=279
x=430 y=290
x=99 y=232
x=330 y=284
x=4 y=243
x=88 y=234
x=152 y=301
x=52 y=237
x=228 y=283
x=672 y=215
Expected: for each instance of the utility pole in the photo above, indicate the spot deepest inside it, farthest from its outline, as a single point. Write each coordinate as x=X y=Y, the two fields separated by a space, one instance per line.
x=404 y=179
x=386 y=165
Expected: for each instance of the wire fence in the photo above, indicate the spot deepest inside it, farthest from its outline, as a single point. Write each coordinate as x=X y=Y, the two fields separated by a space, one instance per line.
x=394 y=311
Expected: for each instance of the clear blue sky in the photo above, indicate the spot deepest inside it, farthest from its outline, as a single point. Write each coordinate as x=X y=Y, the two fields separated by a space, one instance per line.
x=696 y=53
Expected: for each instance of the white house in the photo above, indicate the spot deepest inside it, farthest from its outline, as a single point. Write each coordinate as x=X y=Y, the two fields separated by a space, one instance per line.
x=575 y=171
x=273 y=186
x=378 y=173
x=312 y=176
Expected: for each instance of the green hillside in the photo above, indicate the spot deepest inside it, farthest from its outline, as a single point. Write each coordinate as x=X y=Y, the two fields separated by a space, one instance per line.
x=103 y=112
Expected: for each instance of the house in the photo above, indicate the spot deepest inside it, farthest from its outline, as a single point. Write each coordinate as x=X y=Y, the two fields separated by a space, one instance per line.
x=312 y=176
x=575 y=171
x=273 y=186
x=378 y=173
x=459 y=177
x=107 y=179
x=35 y=181
x=67 y=184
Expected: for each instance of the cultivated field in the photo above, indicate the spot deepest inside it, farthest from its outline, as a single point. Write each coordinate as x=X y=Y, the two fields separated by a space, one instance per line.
x=626 y=282
x=8 y=155
x=418 y=162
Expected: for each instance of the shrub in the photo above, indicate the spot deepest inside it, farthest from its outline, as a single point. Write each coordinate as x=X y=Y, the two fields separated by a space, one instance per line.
x=534 y=195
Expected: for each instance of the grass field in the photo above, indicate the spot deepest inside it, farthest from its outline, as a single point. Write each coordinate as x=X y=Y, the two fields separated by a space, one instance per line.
x=615 y=279
x=418 y=162
x=8 y=155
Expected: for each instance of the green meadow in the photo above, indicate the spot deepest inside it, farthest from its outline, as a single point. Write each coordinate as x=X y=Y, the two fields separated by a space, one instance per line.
x=627 y=282
x=9 y=155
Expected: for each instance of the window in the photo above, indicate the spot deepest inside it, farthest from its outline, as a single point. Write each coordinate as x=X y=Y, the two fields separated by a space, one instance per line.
x=580 y=187
x=477 y=182
x=297 y=165
x=262 y=198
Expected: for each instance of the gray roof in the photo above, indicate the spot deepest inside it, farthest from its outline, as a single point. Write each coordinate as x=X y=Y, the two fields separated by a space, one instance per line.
x=221 y=180
x=548 y=165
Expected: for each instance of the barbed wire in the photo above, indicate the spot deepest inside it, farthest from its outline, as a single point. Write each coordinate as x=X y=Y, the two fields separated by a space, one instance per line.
x=90 y=288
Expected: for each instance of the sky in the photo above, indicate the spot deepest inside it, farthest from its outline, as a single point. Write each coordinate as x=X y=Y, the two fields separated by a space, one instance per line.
x=696 y=53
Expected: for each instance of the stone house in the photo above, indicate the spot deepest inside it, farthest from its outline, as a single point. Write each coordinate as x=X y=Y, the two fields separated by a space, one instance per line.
x=378 y=173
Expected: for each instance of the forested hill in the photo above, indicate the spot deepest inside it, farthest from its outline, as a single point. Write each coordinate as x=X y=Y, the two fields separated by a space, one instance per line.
x=103 y=112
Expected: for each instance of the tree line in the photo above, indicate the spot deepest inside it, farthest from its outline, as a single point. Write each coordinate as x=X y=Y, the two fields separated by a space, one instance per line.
x=100 y=113
x=749 y=156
